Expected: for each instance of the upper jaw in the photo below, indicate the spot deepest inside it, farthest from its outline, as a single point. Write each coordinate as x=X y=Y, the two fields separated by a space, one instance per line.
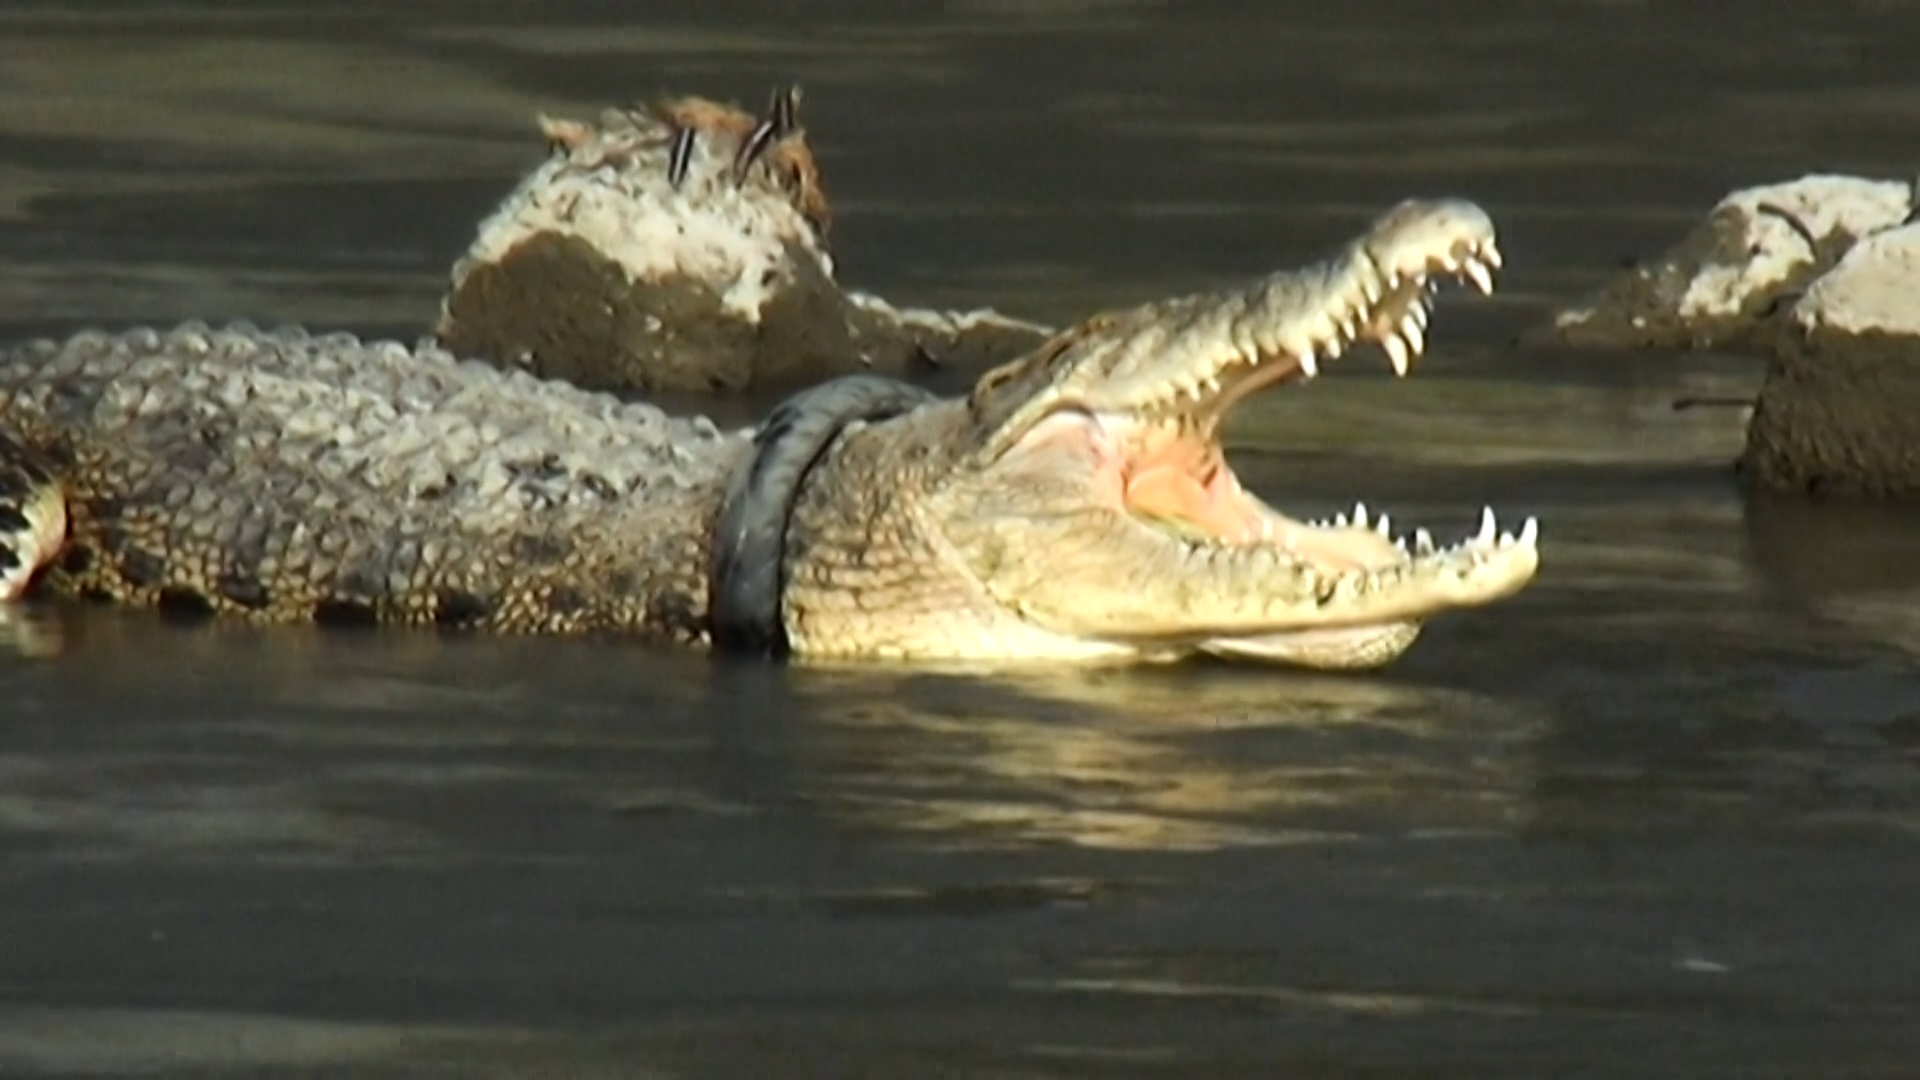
x=1195 y=357
x=1203 y=355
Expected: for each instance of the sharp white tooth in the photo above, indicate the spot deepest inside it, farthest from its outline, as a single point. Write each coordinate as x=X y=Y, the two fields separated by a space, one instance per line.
x=1422 y=542
x=1340 y=520
x=1482 y=277
x=1384 y=527
x=1489 y=253
x=1396 y=352
x=1359 y=515
x=1416 y=341
x=1245 y=342
x=1308 y=365
x=1418 y=313
x=1529 y=533
x=1400 y=545
x=1487 y=526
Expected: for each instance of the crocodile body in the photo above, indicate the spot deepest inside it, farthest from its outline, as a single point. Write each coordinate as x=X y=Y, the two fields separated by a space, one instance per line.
x=1075 y=506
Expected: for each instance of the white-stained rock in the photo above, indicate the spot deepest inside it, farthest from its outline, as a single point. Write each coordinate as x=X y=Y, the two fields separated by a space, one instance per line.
x=1781 y=229
x=609 y=186
x=1875 y=287
x=1757 y=248
x=602 y=269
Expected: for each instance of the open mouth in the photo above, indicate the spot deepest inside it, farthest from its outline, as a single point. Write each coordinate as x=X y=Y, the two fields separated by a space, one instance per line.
x=1155 y=442
x=1172 y=469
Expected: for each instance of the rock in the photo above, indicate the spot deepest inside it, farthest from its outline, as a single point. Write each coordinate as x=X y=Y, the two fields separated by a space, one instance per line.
x=1839 y=412
x=603 y=269
x=1742 y=267
x=1875 y=287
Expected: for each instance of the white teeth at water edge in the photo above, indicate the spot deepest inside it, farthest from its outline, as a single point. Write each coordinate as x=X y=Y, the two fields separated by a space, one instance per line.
x=1489 y=536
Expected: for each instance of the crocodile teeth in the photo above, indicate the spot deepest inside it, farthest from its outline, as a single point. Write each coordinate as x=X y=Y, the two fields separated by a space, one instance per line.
x=1416 y=341
x=1360 y=515
x=1529 y=534
x=1488 y=525
x=1309 y=366
x=1396 y=352
x=1418 y=314
x=1383 y=527
x=1482 y=277
x=1422 y=542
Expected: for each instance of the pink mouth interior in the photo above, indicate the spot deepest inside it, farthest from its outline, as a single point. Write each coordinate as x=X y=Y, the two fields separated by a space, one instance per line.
x=1178 y=474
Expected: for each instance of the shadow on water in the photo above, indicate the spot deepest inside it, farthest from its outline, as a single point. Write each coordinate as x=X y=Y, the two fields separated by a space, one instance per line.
x=1655 y=816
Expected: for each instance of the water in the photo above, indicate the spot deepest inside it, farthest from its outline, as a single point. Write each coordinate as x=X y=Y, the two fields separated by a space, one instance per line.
x=1654 y=817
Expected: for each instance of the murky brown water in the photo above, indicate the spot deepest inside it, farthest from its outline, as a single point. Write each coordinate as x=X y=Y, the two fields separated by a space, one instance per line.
x=1656 y=817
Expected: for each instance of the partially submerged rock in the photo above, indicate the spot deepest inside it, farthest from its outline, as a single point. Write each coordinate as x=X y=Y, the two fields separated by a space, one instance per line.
x=1839 y=412
x=1735 y=273
x=1821 y=275
x=682 y=246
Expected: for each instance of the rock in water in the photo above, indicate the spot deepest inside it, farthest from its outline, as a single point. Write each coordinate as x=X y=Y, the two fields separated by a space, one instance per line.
x=682 y=246
x=1839 y=412
x=1740 y=268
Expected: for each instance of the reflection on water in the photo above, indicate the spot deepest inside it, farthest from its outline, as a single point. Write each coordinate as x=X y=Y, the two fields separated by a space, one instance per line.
x=1661 y=806
x=1174 y=763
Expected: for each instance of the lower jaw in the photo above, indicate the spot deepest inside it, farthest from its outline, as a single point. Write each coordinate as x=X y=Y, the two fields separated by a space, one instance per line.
x=1354 y=648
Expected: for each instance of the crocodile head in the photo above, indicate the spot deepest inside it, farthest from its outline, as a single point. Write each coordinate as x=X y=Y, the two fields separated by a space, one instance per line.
x=1088 y=509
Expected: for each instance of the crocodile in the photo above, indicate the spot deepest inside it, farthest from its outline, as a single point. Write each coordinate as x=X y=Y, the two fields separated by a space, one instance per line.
x=682 y=245
x=1075 y=505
